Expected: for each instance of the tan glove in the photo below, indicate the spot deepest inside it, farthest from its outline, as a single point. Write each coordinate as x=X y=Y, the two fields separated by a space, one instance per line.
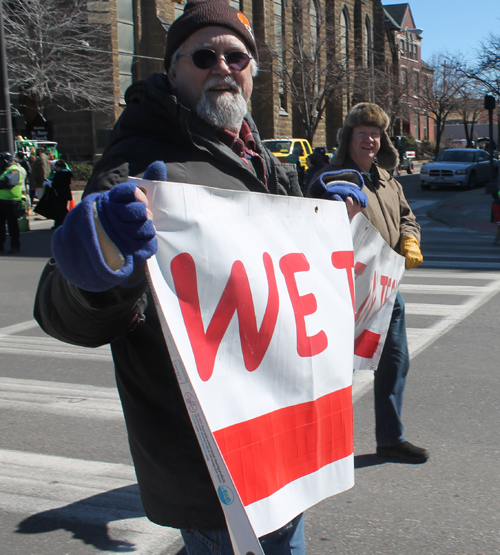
x=410 y=249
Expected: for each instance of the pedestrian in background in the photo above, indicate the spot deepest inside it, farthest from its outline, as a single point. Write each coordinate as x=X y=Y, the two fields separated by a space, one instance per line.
x=40 y=171
x=11 y=196
x=25 y=165
x=366 y=147
x=314 y=162
x=294 y=158
x=60 y=187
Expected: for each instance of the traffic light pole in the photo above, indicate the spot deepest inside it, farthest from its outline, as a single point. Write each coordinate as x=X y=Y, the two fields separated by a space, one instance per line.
x=6 y=139
x=489 y=104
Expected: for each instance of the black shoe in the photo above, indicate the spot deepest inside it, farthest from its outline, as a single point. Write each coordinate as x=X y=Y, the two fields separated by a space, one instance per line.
x=404 y=452
x=14 y=250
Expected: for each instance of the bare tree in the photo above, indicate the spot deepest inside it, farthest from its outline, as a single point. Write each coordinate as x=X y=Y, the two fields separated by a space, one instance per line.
x=302 y=58
x=55 y=55
x=392 y=96
x=439 y=99
x=469 y=106
x=488 y=64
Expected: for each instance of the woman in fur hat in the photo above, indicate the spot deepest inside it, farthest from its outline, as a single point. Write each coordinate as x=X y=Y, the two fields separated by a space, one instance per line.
x=366 y=147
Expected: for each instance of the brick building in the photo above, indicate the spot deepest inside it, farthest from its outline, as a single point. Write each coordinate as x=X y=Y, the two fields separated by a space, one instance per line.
x=415 y=75
x=373 y=47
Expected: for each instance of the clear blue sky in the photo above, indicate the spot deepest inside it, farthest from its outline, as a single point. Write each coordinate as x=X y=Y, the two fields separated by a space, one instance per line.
x=453 y=25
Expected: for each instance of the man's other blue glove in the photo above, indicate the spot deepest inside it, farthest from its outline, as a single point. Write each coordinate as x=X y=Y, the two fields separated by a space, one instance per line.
x=157 y=171
x=76 y=245
x=338 y=185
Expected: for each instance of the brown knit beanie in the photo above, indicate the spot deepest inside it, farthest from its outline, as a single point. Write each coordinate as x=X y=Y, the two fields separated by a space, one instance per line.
x=205 y=13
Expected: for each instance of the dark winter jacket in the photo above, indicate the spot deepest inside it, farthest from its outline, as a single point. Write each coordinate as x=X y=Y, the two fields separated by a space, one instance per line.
x=175 y=485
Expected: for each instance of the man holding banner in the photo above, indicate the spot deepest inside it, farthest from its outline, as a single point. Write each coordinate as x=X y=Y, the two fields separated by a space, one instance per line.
x=366 y=147
x=194 y=120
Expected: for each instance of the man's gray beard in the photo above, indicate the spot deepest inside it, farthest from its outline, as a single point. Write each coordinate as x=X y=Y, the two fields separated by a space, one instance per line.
x=226 y=112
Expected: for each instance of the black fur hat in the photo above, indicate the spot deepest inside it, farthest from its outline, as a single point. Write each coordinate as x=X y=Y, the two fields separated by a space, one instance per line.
x=371 y=115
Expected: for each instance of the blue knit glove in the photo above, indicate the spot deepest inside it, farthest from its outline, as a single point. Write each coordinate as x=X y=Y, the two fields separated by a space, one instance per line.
x=76 y=247
x=125 y=221
x=157 y=171
x=338 y=185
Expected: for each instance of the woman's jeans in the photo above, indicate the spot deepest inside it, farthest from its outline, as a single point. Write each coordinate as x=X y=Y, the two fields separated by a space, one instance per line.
x=390 y=380
x=288 y=540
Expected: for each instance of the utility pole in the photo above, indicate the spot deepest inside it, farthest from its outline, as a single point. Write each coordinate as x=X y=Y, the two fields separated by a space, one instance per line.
x=6 y=139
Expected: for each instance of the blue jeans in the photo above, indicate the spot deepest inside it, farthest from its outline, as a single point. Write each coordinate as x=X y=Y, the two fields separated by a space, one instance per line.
x=390 y=380
x=288 y=540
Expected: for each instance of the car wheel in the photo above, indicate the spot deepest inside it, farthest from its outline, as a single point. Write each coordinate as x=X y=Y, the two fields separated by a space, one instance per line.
x=471 y=183
x=410 y=169
x=425 y=187
x=397 y=171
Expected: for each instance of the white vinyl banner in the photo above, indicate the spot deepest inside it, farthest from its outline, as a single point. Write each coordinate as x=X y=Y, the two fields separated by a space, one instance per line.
x=256 y=295
x=378 y=270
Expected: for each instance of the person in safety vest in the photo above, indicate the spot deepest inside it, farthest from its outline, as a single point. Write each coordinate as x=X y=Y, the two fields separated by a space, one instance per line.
x=11 y=192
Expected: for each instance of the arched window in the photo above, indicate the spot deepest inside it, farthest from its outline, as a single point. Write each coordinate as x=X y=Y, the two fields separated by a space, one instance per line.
x=313 y=24
x=126 y=43
x=368 y=57
x=344 y=36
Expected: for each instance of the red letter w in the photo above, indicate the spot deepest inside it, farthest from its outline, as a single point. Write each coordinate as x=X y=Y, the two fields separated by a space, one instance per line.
x=236 y=296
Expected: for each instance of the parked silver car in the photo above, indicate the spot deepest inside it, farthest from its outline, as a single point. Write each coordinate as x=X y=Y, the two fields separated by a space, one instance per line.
x=467 y=167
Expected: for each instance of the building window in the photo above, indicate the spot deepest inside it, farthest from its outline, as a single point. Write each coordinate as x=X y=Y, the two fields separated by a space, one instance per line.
x=416 y=83
x=426 y=128
x=344 y=37
x=235 y=4
x=416 y=124
x=368 y=42
x=313 y=24
x=126 y=46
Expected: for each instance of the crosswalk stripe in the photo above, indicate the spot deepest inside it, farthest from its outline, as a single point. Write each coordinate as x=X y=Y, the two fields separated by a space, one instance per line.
x=50 y=347
x=421 y=338
x=82 y=491
x=466 y=265
x=60 y=398
x=441 y=289
x=15 y=328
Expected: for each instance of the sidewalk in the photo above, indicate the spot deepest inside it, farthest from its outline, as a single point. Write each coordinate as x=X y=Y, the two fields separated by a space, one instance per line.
x=469 y=209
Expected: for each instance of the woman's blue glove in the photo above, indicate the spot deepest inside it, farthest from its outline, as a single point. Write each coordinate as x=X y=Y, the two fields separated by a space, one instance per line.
x=338 y=185
x=76 y=245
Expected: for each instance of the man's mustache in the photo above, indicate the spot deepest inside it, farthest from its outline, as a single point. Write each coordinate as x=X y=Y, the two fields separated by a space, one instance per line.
x=226 y=80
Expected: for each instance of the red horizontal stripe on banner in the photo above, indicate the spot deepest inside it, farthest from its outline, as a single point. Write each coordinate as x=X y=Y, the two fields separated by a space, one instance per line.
x=267 y=453
x=365 y=345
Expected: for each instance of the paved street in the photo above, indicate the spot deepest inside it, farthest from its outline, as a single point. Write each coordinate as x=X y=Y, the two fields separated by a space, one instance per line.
x=66 y=481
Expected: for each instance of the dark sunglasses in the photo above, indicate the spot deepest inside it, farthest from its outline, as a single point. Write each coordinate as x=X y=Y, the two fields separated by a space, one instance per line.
x=205 y=58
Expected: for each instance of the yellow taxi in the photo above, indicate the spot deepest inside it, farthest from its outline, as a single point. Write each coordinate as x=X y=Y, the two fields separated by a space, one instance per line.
x=282 y=148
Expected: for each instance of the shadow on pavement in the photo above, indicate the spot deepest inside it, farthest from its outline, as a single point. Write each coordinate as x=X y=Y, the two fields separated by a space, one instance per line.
x=34 y=244
x=363 y=461
x=88 y=518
